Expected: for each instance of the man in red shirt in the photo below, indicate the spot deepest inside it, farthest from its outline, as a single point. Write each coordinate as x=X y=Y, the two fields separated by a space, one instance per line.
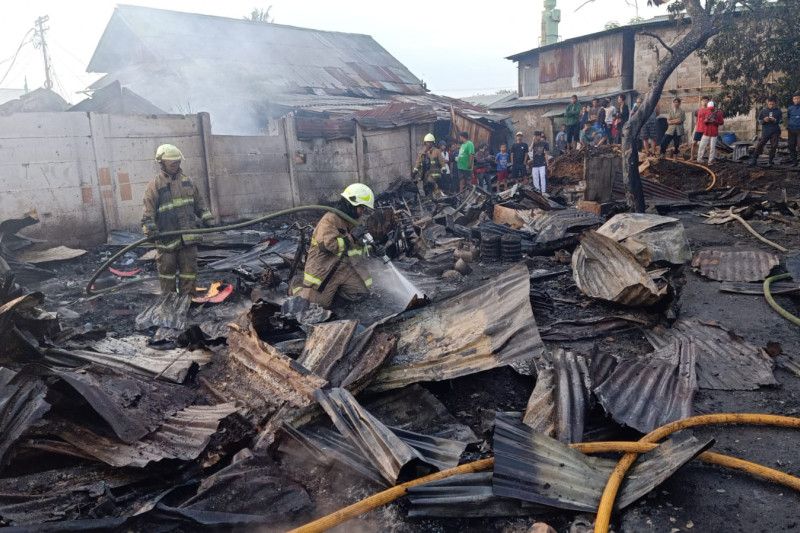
x=699 y=126
x=711 y=119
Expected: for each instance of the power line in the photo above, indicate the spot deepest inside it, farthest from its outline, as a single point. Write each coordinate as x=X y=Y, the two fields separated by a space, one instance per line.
x=40 y=30
x=22 y=43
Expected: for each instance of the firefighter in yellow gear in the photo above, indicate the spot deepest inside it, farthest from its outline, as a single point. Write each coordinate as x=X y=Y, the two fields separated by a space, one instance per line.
x=173 y=202
x=334 y=263
x=430 y=163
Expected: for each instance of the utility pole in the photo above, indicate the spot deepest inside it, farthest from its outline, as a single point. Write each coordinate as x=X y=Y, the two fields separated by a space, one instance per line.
x=40 y=29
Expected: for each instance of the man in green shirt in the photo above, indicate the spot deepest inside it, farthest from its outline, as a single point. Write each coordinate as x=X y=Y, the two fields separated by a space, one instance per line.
x=674 y=131
x=572 y=116
x=465 y=160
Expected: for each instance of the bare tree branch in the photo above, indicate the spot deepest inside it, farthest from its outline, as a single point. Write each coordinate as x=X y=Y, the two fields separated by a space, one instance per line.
x=659 y=39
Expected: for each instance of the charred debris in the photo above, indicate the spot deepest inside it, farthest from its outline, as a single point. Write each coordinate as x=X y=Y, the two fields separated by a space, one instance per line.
x=248 y=408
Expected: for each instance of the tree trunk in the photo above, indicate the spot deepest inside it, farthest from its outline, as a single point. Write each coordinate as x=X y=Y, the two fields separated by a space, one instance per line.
x=702 y=28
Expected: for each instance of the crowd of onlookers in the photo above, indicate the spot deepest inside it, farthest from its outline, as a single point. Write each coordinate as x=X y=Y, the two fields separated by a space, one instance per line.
x=459 y=164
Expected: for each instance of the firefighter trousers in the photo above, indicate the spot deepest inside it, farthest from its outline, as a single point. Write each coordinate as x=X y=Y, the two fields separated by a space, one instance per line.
x=180 y=264
x=344 y=283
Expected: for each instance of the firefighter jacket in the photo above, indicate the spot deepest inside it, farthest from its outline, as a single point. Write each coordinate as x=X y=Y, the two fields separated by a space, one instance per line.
x=331 y=247
x=173 y=203
x=429 y=164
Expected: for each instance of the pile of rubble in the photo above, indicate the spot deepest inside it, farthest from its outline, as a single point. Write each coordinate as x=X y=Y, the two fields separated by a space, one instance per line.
x=128 y=410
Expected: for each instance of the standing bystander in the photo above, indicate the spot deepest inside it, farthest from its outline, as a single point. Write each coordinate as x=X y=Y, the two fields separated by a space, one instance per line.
x=712 y=119
x=793 y=125
x=466 y=160
x=770 y=120
x=538 y=159
x=519 y=159
x=675 y=121
x=699 y=126
x=572 y=116
x=501 y=160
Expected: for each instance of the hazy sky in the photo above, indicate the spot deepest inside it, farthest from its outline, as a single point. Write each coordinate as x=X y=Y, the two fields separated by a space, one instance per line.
x=458 y=48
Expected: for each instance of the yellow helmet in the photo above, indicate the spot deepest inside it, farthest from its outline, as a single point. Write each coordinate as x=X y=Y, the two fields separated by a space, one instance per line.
x=168 y=152
x=359 y=194
x=429 y=138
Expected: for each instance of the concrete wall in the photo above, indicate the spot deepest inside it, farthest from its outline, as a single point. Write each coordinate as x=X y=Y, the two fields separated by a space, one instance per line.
x=85 y=173
x=47 y=166
x=251 y=173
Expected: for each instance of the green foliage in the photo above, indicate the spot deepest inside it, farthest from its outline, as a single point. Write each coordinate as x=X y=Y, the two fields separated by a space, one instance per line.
x=757 y=54
x=611 y=25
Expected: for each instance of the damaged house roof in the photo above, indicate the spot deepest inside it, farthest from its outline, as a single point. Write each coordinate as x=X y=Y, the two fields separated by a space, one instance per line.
x=235 y=62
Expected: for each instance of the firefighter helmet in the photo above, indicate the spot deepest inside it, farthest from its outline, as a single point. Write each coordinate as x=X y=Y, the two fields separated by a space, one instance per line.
x=168 y=152
x=359 y=194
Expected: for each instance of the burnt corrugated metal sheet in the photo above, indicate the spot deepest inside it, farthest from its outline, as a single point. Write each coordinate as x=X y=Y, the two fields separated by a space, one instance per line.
x=465 y=496
x=604 y=269
x=655 y=193
x=132 y=354
x=555 y=64
x=22 y=404
x=650 y=390
x=533 y=467
x=396 y=114
x=325 y=345
x=388 y=450
x=725 y=361
x=481 y=328
x=589 y=328
x=308 y=127
x=183 y=436
x=649 y=237
x=170 y=311
x=598 y=59
x=551 y=226
x=735 y=265
x=557 y=406
x=278 y=378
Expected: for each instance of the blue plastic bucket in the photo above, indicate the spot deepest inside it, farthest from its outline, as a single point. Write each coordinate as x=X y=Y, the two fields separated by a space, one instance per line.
x=729 y=137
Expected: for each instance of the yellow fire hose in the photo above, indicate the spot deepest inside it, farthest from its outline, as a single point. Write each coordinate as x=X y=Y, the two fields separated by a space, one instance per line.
x=631 y=449
x=773 y=304
x=615 y=480
x=698 y=165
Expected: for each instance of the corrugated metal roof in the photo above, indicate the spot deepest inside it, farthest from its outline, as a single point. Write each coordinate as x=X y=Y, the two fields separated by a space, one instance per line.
x=132 y=354
x=551 y=226
x=602 y=268
x=649 y=237
x=113 y=98
x=273 y=54
x=465 y=496
x=654 y=193
x=517 y=101
x=591 y=327
x=389 y=450
x=325 y=345
x=280 y=379
x=22 y=404
x=481 y=328
x=533 y=467
x=725 y=361
x=739 y=265
x=557 y=406
x=650 y=390
x=183 y=436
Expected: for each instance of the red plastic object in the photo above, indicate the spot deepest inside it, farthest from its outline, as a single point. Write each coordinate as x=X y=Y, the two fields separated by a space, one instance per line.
x=125 y=273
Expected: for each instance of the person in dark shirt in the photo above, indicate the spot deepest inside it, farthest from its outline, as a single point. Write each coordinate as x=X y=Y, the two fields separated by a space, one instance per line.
x=538 y=160
x=519 y=159
x=770 y=120
x=622 y=117
x=793 y=127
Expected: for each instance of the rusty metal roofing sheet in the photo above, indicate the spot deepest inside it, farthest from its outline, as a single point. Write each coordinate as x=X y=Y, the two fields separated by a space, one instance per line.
x=557 y=406
x=735 y=265
x=390 y=450
x=533 y=467
x=598 y=59
x=481 y=328
x=725 y=361
x=324 y=128
x=132 y=354
x=325 y=345
x=396 y=114
x=604 y=269
x=465 y=496
x=555 y=64
x=183 y=436
x=654 y=193
x=650 y=390
x=22 y=404
x=277 y=377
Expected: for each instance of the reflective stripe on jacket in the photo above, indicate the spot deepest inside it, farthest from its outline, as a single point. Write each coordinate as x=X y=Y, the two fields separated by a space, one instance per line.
x=331 y=244
x=173 y=203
